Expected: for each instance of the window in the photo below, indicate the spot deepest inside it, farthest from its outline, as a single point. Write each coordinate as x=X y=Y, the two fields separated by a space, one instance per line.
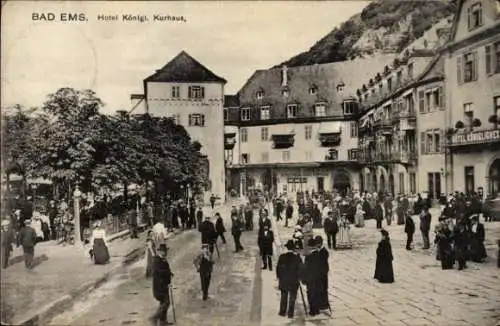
x=243 y=135
x=366 y=97
x=259 y=95
x=196 y=92
x=320 y=110
x=349 y=107
x=492 y=60
x=469 y=179
x=245 y=114
x=312 y=90
x=429 y=143
x=265 y=157
x=401 y=183
x=197 y=120
x=413 y=183
x=285 y=156
x=265 y=113
x=354 y=130
x=226 y=114
x=468 y=115
x=245 y=158
x=292 y=110
x=389 y=84
x=309 y=156
x=264 y=134
x=428 y=100
x=340 y=88
x=469 y=68
x=399 y=78
x=284 y=92
x=410 y=70
x=352 y=154
x=380 y=88
x=308 y=132
x=475 y=16
x=496 y=101
x=437 y=142
x=176 y=93
x=332 y=155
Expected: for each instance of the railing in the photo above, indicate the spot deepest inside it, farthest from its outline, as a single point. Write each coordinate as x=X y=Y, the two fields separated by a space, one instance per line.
x=404 y=156
x=330 y=140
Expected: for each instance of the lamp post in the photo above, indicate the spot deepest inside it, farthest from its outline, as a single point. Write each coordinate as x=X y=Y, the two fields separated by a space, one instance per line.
x=76 y=208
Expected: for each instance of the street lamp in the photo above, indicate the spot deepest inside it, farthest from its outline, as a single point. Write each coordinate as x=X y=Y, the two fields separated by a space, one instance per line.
x=76 y=208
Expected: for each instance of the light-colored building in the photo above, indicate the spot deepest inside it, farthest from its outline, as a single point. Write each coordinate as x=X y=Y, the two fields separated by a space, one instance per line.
x=193 y=95
x=472 y=68
x=296 y=128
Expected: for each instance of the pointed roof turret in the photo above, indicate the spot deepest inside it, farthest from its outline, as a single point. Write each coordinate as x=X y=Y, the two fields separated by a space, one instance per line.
x=184 y=68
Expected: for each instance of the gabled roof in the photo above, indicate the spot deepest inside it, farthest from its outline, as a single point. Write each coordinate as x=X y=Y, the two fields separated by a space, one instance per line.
x=435 y=68
x=456 y=20
x=184 y=68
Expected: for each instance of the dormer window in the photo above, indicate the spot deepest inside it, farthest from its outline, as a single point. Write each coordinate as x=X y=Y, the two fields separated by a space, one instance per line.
x=245 y=114
x=320 y=110
x=389 y=84
x=399 y=78
x=284 y=92
x=349 y=107
x=259 y=94
x=291 y=110
x=312 y=90
x=475 y=16
x=380 y=88
x=340 y=87
x=265 y=113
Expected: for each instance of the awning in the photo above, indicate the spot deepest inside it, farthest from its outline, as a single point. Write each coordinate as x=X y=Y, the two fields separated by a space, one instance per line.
x=283 y=129
x=330 y=127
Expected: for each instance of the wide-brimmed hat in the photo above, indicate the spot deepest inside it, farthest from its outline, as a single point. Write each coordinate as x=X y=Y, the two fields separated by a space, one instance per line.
x=290 y=245
x=312 y=242
x=318 y=239
x=384 y=233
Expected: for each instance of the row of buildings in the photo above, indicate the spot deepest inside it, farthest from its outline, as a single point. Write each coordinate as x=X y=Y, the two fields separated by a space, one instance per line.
x=423 y=121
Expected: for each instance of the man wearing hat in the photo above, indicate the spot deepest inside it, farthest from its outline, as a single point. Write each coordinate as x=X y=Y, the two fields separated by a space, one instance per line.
x=312 y=277
x=27 y=239
x=204 y=265
x=324 y=268
x=162 y=278
x=208 y=233
x=288 y=272
x=331 y=229
x=7 y=240
x=266 y=241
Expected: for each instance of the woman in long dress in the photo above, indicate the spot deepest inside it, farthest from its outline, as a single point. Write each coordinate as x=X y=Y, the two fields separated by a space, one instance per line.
x=383 y=268
x=360 y=213
x=99 y=252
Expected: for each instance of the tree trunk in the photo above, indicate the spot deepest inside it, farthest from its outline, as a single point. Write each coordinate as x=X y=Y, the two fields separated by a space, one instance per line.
x=125 y=191
x=23 y=186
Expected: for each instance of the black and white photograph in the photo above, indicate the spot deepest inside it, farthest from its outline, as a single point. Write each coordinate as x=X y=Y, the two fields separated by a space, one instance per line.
x=260 y=163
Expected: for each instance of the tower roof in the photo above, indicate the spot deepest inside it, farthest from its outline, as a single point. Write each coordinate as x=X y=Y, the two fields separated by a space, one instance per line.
x=184 y=68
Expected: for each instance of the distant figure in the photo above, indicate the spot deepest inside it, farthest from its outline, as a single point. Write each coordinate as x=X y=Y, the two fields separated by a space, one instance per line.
x=425 y=225
x=383 y=268
x=204 y=265
x=162 y=278
x=288 y=273
x=99 y=252
x=208 y=233
x=7 y=240
x=409 y=230
x=219 y=227
x=266 y=241
x=477 y=236
x=27 y=239
x=212 y=201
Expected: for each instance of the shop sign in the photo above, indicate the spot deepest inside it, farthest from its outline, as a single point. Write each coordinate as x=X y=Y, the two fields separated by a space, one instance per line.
x=476 y=137
x=296 y=180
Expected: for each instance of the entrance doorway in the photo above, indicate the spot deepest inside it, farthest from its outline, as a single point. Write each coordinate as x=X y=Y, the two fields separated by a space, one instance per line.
x=434 y=185
x=374 y=182
x=320 y=184
x=361 y=183
x=469 y=179
x=391 y=184
x=341 y=181
x=382 y=183
x=494 y=178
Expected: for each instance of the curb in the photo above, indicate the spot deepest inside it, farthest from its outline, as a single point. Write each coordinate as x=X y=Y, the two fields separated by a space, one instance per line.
x=52 y=309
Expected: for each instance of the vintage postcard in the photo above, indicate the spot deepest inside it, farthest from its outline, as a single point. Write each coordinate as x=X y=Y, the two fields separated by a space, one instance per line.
x=250 y=162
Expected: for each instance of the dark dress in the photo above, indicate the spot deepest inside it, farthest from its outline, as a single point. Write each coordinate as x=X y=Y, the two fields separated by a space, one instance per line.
x=288 y=273
x=100 y=252
x=383 y=268
x=477 y=249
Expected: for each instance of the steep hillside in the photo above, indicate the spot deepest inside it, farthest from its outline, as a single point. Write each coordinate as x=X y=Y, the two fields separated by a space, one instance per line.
x=383 y=26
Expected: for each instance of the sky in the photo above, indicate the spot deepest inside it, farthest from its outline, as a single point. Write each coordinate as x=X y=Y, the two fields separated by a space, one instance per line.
x=233 y=39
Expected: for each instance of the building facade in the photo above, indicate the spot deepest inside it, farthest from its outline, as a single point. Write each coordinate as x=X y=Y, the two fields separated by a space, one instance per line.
x=295 y=129
x=194 y=96
x=472 y=69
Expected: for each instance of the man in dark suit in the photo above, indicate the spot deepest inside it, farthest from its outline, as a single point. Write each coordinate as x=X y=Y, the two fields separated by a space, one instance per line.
x=236 y=229
x=288 y=271
x=208 y=233
x=266 y=241
x=331 y=229
x=288 y=213
x=162 y=277
x=425 y=225
x=264 y=220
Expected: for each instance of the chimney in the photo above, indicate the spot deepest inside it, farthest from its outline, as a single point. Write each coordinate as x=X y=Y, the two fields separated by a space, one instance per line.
x=284 y=76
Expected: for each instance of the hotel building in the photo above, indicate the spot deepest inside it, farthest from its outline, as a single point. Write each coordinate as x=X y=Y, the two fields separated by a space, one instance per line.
x=472 y=67
x=295 y=129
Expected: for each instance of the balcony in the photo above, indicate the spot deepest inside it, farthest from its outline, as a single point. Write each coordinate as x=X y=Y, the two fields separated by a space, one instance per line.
x=283 y=141
x=366 y=157
x=481 y=137
x=383 y=157
x=329 y=140
x=229 y=143
x=384 y=125
x=405 y=157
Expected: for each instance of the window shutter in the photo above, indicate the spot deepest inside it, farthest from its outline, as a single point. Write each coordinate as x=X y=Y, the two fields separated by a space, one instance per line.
x=190 y=92
x=487 y=59
x=476 y=66
x=422 y=143
x=190 y=121
x=442 y=140
x=468 y=17
x=202 y=120
x=202 y=92
x=421 y=105
x=442 y=101
x=459 y=70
